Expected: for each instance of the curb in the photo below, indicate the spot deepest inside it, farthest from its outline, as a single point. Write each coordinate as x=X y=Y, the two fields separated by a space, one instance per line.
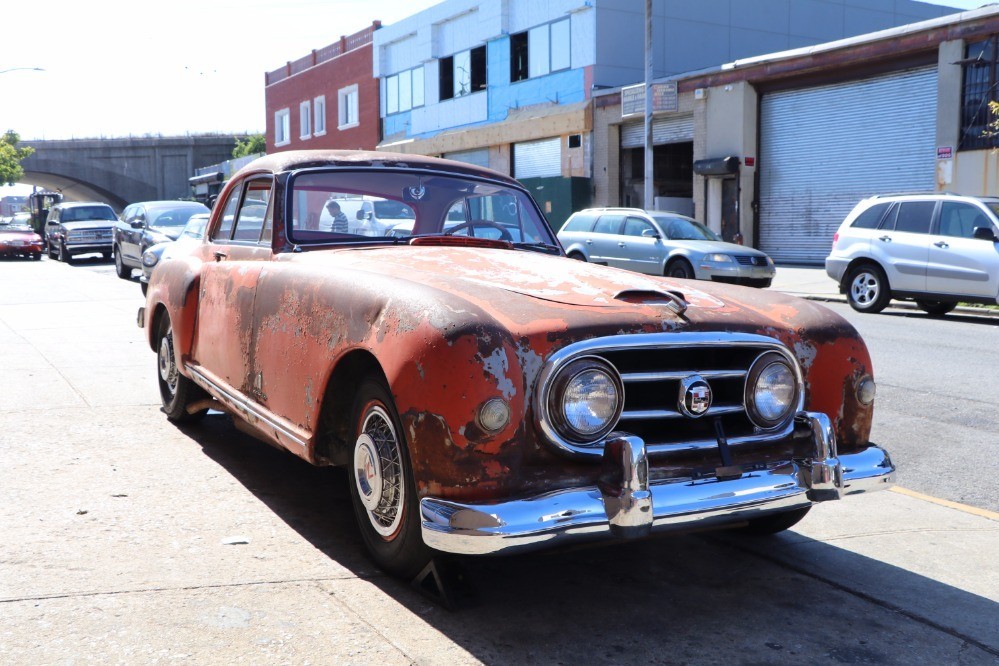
x=906 y=305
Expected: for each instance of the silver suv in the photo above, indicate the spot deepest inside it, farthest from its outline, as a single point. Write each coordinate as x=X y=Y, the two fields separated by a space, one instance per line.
x=936 y=249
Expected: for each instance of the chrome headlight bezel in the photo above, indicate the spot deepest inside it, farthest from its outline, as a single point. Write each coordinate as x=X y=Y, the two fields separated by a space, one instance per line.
x=554 y=418
x=764 y=363
x=150 y=258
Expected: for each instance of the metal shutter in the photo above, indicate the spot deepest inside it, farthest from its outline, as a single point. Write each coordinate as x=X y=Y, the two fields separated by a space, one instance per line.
x=478 y=157
x=537 y=159
x=824 y=149
x=668 y=129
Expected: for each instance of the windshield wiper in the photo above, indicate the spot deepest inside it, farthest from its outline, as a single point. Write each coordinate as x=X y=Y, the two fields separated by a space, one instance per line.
x=538 y=247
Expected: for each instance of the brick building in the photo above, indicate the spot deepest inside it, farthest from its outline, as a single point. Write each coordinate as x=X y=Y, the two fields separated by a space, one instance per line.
x=326 y=99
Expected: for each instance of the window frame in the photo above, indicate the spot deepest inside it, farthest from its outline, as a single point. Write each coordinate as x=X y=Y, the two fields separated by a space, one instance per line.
x=979 y=82
x=525 y=60
x=319 y=115
x=282 y=127
x=305 y=120
x=417 y=93
x=344 y=106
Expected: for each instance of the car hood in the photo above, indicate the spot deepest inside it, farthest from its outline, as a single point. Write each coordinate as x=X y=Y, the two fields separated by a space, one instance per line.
x=173 y=233
x=82 y=225
x=706 y=247
x=20 y=236
x=526 y=290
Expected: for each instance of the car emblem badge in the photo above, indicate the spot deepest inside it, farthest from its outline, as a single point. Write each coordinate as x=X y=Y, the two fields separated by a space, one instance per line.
x=695 y=397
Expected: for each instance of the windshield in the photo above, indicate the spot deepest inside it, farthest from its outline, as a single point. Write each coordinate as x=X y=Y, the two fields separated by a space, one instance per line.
x=683 y=228
x=347 y=206
x=993 y=206
x=78 y=213
x=195 y=227
x=173 y=217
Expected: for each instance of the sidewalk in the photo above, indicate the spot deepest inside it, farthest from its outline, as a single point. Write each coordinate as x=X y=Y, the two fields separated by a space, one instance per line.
x=811 y=282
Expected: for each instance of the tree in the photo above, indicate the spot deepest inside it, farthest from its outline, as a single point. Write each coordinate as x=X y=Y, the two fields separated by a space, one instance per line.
x=11 y=157
x=251 y=145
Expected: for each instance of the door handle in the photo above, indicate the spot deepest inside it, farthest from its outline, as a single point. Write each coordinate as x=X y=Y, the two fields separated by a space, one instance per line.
x=621 y=245
x=886 y=239
x=942 y=244
x=589 y=242
x=220 y=255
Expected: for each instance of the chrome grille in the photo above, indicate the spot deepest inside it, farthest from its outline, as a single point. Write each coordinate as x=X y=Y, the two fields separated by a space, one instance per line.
x=652 y=367
x=748 y=260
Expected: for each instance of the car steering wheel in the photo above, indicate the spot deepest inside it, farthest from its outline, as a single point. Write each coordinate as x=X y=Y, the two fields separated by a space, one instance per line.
x=472 y=224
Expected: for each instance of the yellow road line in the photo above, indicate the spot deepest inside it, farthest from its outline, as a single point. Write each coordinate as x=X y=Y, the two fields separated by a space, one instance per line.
x=974 y=510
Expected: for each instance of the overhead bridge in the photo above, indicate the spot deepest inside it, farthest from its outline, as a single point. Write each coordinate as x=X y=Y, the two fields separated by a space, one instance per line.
x=121 y=171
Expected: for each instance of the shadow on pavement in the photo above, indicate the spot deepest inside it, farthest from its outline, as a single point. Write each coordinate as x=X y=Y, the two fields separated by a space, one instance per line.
x=690 y=598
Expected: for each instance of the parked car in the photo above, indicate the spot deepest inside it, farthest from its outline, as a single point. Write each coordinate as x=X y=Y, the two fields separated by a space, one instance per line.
x=145 y=224
x=80 y=228
x=657 y=243
x=493 y=396
x=192 y=232
x=20 y=240
x=935 y=249
x=22 y=218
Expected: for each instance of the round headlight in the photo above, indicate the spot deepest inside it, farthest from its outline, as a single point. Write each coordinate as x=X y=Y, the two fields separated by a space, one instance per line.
x=150 y=258
x=586 y=400
x=771 y=391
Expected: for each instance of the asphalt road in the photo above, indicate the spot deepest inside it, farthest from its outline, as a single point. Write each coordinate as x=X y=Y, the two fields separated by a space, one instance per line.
x=937 y=409
x=128 y=540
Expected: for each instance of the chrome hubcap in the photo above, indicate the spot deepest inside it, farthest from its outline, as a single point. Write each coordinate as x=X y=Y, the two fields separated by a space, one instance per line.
x=168 y=368
x=378 y=472
x=865 y=288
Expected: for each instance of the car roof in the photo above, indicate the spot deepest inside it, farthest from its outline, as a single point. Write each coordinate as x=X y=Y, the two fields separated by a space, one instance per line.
x=172 y=204
x=933 y=195
x=641 y=211
x=303 y=159
x=76 y=204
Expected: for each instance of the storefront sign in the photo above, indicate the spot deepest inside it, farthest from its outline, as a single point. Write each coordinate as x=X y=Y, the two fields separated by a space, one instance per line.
x=945 y=153
x=664 y=98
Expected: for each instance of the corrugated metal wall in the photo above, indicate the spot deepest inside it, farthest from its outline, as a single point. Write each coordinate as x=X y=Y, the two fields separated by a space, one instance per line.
x=478 y=156
x=537 y=159
x=667 y=129
x=824 y=149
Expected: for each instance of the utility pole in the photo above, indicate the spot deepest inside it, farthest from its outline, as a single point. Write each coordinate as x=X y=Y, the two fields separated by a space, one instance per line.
x=649 y=189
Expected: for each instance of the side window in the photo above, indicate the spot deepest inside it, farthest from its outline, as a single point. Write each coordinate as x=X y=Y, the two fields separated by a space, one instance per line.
x=224 y=230
x=888 y=222
x=579 y=222
x=253 y=210
x=608 y=224
x=914 y=217
x=636 y=226
x=960 y=219
x=870 y=218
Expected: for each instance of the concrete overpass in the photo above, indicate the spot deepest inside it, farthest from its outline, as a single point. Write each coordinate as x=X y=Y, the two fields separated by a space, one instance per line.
x=123 y=170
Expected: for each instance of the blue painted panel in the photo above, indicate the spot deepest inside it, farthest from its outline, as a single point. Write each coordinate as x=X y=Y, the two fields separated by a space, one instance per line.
x=397 y=122
x=562 y=87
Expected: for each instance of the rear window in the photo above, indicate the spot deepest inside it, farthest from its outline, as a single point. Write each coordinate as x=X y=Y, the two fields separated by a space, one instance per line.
x=871 y=217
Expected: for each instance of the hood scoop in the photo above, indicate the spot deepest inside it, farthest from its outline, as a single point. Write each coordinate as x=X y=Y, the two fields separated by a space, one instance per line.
x=674 y=300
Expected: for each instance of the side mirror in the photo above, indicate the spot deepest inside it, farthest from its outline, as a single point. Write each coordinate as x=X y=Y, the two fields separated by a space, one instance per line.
x=986 y=234
x=137 y=224
x=651 y=233
x=363 y=215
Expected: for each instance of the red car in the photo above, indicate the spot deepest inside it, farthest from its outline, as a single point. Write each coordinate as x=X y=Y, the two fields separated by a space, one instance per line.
x=20 y=241
x=487 y=393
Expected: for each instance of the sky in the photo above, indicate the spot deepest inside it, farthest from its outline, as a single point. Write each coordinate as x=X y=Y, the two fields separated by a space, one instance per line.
x=116 y=68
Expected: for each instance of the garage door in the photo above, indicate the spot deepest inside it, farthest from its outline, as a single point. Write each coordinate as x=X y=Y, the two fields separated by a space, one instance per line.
x=824 y=149
x=478 y=157
x=667 y=129
x=537 y=159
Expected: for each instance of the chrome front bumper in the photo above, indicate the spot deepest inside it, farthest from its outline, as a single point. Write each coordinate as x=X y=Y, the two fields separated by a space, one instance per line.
x=626 y=505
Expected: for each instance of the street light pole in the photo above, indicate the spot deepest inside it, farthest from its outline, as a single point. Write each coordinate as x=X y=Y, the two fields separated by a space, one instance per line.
x=649 y=162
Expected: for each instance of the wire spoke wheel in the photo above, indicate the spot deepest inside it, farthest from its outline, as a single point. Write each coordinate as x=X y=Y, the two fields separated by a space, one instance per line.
x=378 y=472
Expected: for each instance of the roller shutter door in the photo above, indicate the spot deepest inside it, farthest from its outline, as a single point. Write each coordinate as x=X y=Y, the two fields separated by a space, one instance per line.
x=668 y=129
x=478 y=157
x=537 y=159
x=824 y=149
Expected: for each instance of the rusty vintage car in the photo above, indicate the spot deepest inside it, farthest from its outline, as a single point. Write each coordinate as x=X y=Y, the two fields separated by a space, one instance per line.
x=488 y=394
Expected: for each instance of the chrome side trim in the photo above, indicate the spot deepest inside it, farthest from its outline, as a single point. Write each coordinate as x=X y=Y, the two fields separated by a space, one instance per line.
x=672 y=341
x=250 y=410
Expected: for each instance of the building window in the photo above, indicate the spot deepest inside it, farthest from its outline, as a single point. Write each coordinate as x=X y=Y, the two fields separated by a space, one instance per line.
x=541 y=50
x=463 y=73
x=404 y=91
x=282 y=127
x=981 y=77
x=347 y=107
x=305 y=119
x=319 y=113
